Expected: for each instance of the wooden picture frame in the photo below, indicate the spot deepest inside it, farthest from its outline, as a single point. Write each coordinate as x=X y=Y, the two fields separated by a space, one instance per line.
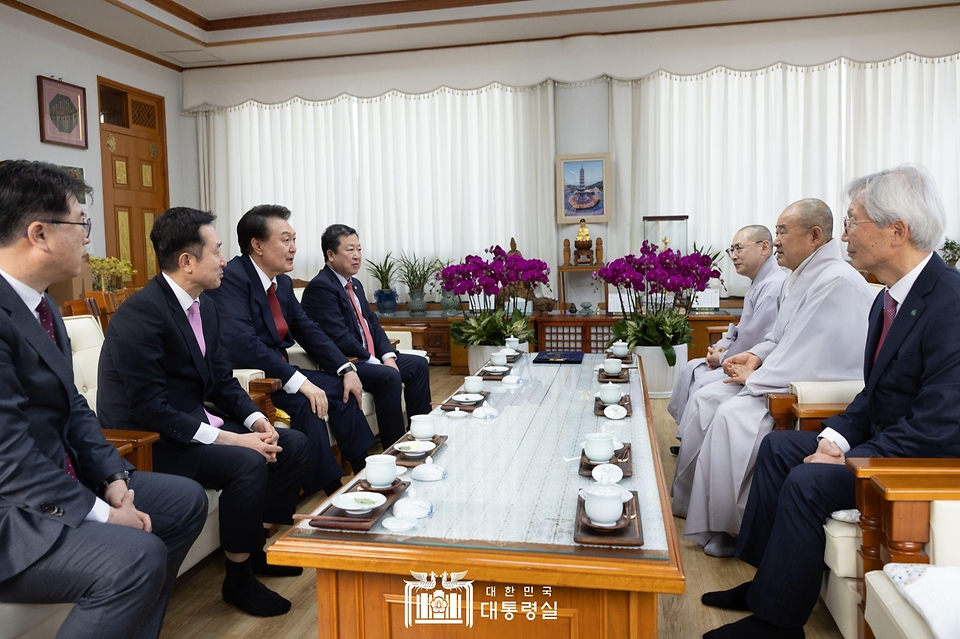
x=582 y=186
x=63 y=113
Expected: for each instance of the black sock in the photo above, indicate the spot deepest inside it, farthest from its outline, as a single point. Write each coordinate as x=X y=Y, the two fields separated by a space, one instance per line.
x=258 y=562
x=242 y=590
x=733 y=599
x=358 y=464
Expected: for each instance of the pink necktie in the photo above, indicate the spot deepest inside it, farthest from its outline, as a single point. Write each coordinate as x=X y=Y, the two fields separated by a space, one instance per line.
x=363 y=322
x=278 y=319
x=46 y=321
x=193 y=316
x=889 y=312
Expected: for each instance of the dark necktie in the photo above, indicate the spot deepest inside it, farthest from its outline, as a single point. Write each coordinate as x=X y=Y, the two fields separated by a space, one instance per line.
x=889 y=312
x=193 y=316
x=46 y=321
x=281 y=324
x=363 y=322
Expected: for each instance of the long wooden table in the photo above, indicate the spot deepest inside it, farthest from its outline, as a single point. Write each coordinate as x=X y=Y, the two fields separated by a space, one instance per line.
x=505 y=517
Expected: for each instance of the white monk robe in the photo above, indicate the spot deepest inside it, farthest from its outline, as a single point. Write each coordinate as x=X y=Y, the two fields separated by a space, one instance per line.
x=760 y=306
x=819 y=335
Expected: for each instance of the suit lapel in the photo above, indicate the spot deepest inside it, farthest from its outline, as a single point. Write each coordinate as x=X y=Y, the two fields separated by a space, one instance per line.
x=183 y=324
x=260 y=296
x=346 y=304
x=907 y=316
x=54 y=356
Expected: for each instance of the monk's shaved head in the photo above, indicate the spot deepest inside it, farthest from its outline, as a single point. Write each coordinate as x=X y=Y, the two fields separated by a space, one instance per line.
x=812 y=212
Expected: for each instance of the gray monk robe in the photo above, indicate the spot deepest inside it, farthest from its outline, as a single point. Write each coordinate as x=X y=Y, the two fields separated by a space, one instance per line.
x=819 y=335
x=760 y=307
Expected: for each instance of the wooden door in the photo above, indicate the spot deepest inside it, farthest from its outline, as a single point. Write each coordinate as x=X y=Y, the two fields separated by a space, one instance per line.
x=134 y=164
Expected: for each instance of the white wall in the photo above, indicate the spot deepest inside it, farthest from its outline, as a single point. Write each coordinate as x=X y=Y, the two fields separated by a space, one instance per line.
x=30 y=47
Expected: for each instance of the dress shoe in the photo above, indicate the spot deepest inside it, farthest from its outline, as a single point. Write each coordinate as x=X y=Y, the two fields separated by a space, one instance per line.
x=242 y=590
x=753 y=628
x=721 y=545
x=733 y=599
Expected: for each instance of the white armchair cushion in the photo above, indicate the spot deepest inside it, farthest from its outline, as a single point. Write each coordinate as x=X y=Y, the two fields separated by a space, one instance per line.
x=890 y=615
x=826 y=392
x=842 y=544
x=944 y=547
x=86 y=338
x=247 y=375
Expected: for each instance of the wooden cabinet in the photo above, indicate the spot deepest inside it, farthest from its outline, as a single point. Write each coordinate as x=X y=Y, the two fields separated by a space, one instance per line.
x=436 y=333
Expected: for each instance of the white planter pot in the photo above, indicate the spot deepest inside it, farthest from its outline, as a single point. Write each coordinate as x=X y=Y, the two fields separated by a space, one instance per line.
x=660 y=377
x=477 y=356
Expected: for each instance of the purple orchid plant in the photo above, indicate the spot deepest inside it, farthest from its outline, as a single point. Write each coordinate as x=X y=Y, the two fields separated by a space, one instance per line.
x=489 y=284
x=656 y=290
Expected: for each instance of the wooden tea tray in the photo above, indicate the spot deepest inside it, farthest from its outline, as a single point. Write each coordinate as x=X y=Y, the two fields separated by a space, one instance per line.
x=452 y=405
x=626 y=359
x=622 y=378
x=598 y=406
x=410 y=462
x=629 y=535
x=338 y=519
x=622 y=458
x=494 y=377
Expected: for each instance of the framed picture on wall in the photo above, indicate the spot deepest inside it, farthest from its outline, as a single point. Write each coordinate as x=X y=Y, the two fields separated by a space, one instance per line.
x=63 y=113
x=582 y=182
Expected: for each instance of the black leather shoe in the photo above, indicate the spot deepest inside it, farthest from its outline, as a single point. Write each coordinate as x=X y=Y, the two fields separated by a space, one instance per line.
x=753 y=628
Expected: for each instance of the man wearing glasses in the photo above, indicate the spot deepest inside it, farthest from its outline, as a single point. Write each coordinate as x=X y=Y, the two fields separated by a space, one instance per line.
x=79 y=526
x=752 y=256
x=818 y=335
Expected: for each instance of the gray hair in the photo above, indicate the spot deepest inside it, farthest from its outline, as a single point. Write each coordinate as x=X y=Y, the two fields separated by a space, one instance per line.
x=905 y=193
x=758 y=233
x=814 y=212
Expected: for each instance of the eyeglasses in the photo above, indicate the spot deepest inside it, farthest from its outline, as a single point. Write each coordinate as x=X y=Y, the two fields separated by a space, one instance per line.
x=847 y=223
x=736 y=248
x=87 y=225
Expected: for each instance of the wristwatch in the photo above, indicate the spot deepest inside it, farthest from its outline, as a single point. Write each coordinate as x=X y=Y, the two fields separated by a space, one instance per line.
x=349 y=368
x=123 y=475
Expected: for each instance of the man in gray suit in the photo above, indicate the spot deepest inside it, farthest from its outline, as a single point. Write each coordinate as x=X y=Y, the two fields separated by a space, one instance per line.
x=79 y=525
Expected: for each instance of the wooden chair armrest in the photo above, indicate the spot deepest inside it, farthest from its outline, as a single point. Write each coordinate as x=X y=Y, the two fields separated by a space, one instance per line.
x=779 y=406
x=810 y=416
x=394 y=343
x=140 y=442
x=123 y=449
x=265 y=385
x=867 y=467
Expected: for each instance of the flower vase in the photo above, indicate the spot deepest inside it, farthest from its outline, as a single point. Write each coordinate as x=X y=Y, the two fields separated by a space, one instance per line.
x=660 y=378
x=386 y=300
x=417 y=304
x=449 y=303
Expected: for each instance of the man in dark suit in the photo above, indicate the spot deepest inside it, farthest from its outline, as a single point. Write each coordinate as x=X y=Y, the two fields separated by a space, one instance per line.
x=160 y=362
x=909 y=407
x=76 y=520
x=335 y=300
x=262 y=318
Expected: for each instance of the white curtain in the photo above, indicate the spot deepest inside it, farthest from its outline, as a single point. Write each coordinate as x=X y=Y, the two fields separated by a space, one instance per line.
x=730 y=148
x=445 y=174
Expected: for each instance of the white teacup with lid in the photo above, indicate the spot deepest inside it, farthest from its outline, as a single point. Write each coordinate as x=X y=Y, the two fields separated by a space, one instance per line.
x=381 y=470
x=610 y=393
x=513 y=343
x=472 y=384
x=612 y=366
x=603 y=503
x=423 y=426
x=619 y=348
x=598 y=447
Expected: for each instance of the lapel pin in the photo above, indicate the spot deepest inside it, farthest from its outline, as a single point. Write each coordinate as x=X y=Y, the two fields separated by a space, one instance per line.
x=913 y=312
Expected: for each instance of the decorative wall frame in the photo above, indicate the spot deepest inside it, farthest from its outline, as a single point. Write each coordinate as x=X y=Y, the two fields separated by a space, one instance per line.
x=582 y=185
x=63 y=113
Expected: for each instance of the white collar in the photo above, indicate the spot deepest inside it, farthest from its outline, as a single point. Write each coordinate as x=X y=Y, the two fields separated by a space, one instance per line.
x=264 y=280
x=901 y=288
x=182 y=296
x=343 y=280
x=30 y=296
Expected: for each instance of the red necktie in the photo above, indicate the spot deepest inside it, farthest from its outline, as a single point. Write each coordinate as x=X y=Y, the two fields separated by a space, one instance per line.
x=282 y=328
x=46 y=321
x=889 y=312
x=363 y=322
x=193 y=316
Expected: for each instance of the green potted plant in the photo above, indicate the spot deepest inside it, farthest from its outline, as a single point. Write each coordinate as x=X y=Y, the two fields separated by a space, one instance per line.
x=950 y=251
x=489 y=285
x=415 y=273
x=108 y=272
x=656 y=290
x=385 y=273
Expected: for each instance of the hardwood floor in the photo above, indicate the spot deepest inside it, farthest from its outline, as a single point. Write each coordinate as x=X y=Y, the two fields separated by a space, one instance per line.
x=197 y=611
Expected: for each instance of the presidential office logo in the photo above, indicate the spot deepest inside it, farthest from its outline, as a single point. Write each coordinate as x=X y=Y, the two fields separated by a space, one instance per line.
x=423 y=602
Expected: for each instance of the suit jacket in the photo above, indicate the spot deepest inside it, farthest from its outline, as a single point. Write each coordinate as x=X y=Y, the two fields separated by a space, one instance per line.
x=327 y=303
x=153 y=377
x=910 y=404
x=249 y=333
x=42 y=416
